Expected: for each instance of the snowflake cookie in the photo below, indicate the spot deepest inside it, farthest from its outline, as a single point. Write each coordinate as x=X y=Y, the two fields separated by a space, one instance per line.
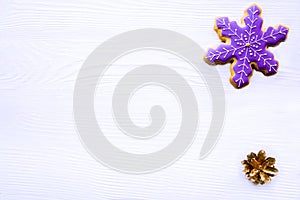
x=246 y=47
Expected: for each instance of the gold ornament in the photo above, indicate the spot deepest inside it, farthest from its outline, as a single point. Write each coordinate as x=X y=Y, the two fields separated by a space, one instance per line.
x=259 y=168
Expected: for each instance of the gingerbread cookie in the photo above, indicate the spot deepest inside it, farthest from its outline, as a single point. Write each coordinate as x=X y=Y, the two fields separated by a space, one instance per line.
x=246 y=47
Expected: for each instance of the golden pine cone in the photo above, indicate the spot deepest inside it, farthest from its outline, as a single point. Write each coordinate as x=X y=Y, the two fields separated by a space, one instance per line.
x=259 y=168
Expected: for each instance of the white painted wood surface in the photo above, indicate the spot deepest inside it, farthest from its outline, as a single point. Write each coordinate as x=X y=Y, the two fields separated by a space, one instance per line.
x=42 y=47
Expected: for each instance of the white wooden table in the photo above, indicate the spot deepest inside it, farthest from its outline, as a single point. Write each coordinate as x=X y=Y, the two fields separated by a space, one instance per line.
x=42 y=47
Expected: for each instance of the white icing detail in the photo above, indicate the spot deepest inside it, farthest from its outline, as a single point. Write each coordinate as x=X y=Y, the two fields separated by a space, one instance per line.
x=242 y=71
x=219 y=53
x=228 y=27
x=253 y=10
x=240 y=80
x=255 y=41
x=250 y=42
x=252 y=19
x=272 y=34
x=265 y=59
x=282 y=29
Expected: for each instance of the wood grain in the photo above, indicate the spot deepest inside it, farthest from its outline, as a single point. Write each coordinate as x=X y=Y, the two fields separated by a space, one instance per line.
x=43 y=45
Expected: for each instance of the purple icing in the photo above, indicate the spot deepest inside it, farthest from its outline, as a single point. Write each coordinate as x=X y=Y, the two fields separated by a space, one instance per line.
x=248 y=45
